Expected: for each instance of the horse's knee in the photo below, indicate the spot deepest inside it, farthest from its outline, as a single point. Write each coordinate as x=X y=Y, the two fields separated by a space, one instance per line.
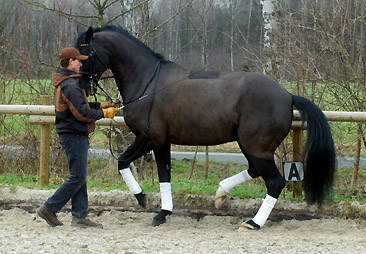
x=138 y=148
x=275 y=186
x=122 y=163
x=164 y=178
x=164 y=171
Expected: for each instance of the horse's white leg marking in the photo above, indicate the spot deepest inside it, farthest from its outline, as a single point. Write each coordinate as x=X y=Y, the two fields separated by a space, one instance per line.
x=130 y=181
x=262 y=215
x=166 y=196
x=227 y=184
x=232 y=181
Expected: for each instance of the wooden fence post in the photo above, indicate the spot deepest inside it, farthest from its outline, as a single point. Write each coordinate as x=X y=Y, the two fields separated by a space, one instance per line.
x=45 y=147
x=297 y=156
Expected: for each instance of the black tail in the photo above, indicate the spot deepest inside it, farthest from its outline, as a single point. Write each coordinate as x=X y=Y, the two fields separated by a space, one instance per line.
x=319 y=154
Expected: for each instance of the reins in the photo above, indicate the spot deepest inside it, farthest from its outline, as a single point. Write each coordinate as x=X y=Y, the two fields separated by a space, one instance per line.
x=141 y=97
x=94 y=78
x=156 y=73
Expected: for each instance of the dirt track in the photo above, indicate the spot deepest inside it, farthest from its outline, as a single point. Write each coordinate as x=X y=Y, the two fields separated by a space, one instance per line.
x=130 y=232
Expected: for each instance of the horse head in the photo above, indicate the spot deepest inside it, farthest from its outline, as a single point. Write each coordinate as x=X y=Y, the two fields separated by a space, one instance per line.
x=96 y=64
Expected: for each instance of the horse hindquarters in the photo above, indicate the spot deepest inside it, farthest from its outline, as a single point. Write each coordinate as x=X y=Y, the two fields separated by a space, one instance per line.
x=259 y=135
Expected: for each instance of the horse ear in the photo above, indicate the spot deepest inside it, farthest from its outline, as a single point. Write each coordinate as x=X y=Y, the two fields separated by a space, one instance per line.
x=89 y=34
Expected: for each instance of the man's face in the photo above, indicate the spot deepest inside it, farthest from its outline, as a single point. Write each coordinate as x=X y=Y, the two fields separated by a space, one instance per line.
x=75 y=65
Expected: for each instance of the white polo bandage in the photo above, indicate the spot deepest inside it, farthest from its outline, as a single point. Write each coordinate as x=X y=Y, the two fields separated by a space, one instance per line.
x=232 y=181
x=166 y=196
x=130 y=181
x=262 y=215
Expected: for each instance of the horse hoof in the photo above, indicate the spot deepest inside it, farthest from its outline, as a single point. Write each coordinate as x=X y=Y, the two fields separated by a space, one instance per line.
x=220 y=198
x=142 y=199
x=242 y=228
x=158 y=221
x=160 y=218
x=249 y=225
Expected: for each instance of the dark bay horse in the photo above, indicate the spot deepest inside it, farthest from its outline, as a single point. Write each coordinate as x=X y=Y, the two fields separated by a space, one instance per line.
x=164 y=105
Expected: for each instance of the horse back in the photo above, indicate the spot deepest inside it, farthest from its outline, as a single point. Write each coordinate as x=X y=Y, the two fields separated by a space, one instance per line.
x=211 y=111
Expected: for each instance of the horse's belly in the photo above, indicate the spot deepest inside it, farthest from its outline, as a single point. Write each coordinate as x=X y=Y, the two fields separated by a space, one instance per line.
x=200 y=134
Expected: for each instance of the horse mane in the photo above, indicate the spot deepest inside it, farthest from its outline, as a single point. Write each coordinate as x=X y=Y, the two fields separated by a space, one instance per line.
x=126 y=33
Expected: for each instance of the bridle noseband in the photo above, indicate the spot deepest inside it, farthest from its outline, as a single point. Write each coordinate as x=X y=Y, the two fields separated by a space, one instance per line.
x=93 y=76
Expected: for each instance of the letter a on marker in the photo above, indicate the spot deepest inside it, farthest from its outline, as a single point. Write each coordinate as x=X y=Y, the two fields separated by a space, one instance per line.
x=293 y=173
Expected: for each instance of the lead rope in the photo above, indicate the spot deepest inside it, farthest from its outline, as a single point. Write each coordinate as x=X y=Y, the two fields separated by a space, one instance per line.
x=110 y=140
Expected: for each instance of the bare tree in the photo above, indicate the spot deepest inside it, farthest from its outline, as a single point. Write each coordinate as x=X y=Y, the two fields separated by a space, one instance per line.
x=320 y=47
x=100 y=9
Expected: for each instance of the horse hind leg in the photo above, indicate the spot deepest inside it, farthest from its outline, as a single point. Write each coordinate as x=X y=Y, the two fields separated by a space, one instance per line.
x=227 y=184
x=274 y=183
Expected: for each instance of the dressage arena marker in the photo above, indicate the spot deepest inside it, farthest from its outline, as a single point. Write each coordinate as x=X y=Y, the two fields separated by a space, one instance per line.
x=45 y=116
x=293 y=171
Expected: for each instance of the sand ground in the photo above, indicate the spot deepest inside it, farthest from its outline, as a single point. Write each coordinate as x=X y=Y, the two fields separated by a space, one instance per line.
x=130 y=232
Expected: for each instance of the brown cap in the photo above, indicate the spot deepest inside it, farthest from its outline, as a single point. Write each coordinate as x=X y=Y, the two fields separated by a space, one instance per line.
x=71 y=52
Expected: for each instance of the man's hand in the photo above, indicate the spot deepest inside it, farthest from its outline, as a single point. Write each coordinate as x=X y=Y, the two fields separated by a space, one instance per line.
x=107 y=104
x=110 y=112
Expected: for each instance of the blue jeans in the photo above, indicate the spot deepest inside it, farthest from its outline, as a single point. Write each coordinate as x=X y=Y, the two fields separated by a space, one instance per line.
x=74 y=188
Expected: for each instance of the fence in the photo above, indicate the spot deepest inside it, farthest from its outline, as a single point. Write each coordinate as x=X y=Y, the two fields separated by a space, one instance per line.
x=45 y=116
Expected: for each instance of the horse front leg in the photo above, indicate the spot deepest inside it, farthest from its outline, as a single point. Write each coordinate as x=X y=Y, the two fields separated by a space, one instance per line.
x=162 y=157
x=138 y=148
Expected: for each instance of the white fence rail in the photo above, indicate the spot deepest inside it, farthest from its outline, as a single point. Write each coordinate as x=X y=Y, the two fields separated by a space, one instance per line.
x=49 y=110
x=45 y=116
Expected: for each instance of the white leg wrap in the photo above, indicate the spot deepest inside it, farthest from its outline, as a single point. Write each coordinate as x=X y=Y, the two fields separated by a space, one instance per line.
x=130 y=181
x=166 y=196
x=232 y=181
x=262 y=215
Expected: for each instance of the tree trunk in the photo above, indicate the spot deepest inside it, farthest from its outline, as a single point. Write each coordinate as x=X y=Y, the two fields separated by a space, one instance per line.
x=356 y=163
x=207 y=165
x=268 y=25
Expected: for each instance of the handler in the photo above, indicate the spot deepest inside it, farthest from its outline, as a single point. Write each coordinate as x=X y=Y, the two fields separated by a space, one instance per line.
x=75 y=119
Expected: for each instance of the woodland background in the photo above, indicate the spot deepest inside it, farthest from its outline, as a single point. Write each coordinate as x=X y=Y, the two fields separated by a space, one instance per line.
x=315 y=48
x=308 y=43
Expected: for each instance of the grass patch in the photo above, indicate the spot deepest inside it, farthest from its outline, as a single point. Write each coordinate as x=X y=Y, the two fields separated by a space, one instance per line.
x=101 y=177
x=231 y=147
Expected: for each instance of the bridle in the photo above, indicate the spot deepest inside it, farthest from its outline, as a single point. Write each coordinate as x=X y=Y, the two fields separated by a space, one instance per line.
x=93 y=76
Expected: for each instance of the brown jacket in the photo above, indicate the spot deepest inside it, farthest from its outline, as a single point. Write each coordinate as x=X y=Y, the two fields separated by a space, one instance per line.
x=74 y=114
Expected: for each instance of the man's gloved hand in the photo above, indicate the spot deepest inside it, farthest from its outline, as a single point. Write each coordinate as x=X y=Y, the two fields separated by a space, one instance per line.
x=106 y=105
x=110 y=112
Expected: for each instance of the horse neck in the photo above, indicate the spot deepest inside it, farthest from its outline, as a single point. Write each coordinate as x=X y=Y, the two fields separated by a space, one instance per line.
x=132 y=74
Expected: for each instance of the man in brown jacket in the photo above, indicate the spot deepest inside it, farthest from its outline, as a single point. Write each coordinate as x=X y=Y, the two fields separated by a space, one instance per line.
x=75 y=119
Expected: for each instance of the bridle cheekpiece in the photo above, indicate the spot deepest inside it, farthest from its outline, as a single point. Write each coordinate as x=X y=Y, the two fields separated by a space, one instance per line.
x=93 y=76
